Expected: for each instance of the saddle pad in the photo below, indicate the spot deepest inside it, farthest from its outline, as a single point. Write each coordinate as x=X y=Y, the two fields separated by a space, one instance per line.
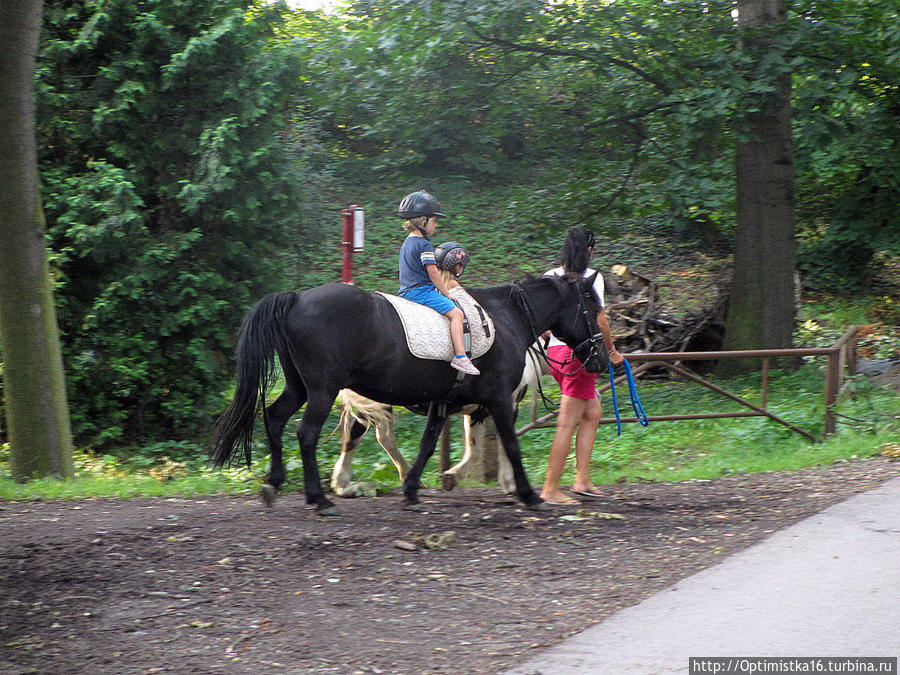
x=428 y=332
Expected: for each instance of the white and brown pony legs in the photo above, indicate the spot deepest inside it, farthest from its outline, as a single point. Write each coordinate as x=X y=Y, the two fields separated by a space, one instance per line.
x=473 y=451
x=358 y=414
x=473 y=431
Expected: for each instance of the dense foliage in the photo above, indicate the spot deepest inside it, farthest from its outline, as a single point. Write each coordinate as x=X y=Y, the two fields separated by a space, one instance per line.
x=847 y=143
x=168 y=194
x=191 y=151
x=627 y=108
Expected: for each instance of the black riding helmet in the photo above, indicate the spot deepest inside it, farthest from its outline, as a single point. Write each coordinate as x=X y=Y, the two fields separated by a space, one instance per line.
x=450 y=254
x=418 y=204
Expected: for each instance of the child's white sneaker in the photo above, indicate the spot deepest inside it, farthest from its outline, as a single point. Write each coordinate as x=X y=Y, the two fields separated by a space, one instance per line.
x=464 y=363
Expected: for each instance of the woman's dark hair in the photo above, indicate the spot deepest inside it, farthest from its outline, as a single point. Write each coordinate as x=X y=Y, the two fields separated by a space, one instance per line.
x=575 y=254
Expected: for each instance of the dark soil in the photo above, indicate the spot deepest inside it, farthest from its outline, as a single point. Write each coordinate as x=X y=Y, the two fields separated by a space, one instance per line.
x=223 y=584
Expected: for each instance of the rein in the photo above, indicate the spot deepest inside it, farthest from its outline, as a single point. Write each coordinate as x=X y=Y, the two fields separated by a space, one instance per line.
x=549 y=403
x=632 y=390
x=596 y=336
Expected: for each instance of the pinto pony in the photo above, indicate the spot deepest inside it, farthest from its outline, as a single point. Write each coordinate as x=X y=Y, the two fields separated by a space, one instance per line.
x=337 y=336
x=359 y=414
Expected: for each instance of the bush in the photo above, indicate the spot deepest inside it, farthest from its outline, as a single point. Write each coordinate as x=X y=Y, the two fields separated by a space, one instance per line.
x=169 y=194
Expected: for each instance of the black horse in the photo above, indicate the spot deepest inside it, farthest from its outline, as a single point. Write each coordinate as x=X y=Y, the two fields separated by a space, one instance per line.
x=337 y=336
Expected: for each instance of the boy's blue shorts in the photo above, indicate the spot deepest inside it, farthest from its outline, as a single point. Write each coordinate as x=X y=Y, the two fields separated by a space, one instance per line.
x=430 y=297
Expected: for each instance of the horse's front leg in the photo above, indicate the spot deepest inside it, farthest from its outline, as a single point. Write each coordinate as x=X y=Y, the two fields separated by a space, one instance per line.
x=434 y=424
x=505 y=476
x=387 y=439
x=352 y=431
x=504 y=420
x=473 y=437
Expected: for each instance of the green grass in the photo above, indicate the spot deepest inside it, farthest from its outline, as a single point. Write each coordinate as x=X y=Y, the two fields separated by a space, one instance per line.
x=695 y=449
x=123 y=487
x=663 y=451
x=148 y=476
x=865 y=309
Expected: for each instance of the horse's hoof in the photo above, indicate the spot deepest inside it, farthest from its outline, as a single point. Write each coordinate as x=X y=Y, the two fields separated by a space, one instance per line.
x=268 y=492
x=330 y=510
x=541 y=507
x=448 y=481
x=508 y=488
x=357 y=490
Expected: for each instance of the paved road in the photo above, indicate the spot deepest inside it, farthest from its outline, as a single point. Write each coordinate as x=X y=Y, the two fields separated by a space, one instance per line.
x=828 y=586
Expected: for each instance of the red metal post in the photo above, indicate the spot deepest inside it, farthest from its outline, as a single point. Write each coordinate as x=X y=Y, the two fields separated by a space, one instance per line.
x=347 y=245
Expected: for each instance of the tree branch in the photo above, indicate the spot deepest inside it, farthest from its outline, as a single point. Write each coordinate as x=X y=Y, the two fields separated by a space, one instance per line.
x=627 y=179
x=634 y=116
x=550 y=51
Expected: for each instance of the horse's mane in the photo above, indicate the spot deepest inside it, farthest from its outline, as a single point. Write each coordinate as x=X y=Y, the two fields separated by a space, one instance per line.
x=502 y=290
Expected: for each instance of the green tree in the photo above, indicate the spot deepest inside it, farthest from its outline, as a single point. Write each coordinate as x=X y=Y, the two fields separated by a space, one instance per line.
x=635 y=108
x=607 y=98
x=37 y=414
x=404 y=85
x=170 y=196
x=847 y=103
x=761 y=302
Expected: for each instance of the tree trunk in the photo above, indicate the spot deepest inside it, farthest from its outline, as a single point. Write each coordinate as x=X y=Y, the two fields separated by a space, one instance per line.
x=37 y=413
x=761 y=305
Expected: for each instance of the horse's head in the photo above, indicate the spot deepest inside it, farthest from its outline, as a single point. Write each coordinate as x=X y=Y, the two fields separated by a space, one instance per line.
x=577 y=322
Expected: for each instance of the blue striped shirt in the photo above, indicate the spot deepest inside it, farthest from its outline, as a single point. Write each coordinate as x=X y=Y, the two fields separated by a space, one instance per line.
x=415 y=254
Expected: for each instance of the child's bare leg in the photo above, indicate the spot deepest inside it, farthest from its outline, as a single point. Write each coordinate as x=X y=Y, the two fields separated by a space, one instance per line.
x=456 y=330
x=460 y=360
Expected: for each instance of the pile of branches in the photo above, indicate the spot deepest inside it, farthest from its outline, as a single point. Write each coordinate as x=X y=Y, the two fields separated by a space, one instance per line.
x=640 y=322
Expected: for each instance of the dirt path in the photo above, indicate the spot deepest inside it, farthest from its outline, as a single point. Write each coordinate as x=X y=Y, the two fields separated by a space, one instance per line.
x=222 y=584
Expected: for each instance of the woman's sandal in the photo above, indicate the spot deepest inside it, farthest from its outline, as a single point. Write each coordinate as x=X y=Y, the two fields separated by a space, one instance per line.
x=567 y=502
x=588 y=494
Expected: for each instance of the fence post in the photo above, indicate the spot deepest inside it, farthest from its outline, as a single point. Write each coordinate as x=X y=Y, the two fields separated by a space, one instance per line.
x=487 y=467
x=853 y=354
x=843 y=353
x=347 y=246
x=445 y=447
x=832 y=384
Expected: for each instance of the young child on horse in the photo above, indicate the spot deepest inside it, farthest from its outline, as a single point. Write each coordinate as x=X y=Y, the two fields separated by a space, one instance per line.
x=420 y=278
x=451 y=259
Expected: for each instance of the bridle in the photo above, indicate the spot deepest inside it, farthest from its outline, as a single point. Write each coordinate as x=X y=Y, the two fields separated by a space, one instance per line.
x=594 y=342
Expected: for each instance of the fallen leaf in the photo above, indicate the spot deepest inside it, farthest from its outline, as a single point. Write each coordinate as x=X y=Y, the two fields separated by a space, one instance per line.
x=891 y=450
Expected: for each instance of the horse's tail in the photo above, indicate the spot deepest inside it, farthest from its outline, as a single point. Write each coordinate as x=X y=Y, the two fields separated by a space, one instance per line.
x=262 y=334
x=364 y=409
x=535 y=368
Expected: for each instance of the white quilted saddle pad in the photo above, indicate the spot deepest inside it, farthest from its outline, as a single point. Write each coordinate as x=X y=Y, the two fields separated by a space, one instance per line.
x=428 y=333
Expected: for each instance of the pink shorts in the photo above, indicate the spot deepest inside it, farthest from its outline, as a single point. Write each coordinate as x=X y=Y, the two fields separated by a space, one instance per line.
x=581 y=384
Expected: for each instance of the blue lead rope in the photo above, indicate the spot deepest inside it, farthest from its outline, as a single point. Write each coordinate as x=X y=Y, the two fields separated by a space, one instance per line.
x=632 y=390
